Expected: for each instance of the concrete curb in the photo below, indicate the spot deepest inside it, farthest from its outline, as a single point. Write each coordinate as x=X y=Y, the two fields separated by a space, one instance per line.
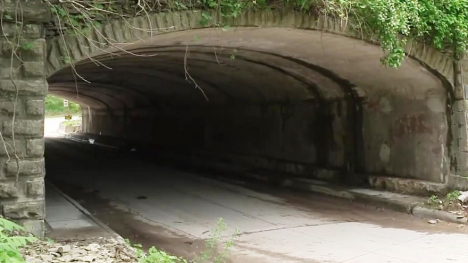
x=427 y=213
x=398 y=202
x=98 y=222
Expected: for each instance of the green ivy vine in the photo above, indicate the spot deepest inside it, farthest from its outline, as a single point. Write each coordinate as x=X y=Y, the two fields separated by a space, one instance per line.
x=441 y=23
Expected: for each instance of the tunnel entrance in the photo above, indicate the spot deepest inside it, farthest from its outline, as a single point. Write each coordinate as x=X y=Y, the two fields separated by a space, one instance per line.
x=271 y=100
x=61 y=117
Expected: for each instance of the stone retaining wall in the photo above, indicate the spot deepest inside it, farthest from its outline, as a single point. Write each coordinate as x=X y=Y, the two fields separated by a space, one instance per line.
x=22 y=90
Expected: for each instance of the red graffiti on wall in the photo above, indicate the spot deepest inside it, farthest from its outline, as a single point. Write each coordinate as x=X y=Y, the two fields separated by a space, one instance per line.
x=411 y=124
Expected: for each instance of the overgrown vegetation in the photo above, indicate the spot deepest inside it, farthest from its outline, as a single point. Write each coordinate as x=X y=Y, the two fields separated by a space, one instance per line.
x=155 y=256
x=72 y=123
x=54 y=107
x=211 y=254
x=442 y=24
x=448 y=203
x=12 y=237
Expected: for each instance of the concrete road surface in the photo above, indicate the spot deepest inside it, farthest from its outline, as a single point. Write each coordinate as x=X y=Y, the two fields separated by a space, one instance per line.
x=52 y=124
x=174 y=210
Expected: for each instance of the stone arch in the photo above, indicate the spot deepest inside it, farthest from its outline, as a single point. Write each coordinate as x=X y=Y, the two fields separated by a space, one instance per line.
x=119 y=30
x=361 y=148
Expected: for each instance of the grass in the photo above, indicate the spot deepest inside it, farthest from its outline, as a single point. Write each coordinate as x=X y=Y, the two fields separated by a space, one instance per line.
x=448 y=203
x=211 y=254
x=54 y=107
x=13 y=237
x=72 y=123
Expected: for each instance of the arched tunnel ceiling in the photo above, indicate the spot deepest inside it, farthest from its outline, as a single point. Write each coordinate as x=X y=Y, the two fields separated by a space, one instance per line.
x=251 y=65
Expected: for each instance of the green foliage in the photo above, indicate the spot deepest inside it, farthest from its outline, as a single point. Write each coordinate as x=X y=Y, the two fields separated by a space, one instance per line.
x=66 y=59
x=433 y=200
x=449 y=203
x=27 y=46
x=227 y=8
x=154 y=255
x=10 y=243
x=72 y=123
x=442 y=23
x=452 y=196
x=205 y=19
x=54 y=106
x=178 y=5
x=211 y=253
x=158 y=256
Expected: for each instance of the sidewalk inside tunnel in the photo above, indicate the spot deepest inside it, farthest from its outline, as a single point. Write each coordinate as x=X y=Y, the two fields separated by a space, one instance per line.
x=175 y=208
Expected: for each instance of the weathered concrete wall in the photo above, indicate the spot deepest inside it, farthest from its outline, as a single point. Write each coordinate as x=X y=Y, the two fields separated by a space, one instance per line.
x=289 y=138
x=405 y=133
x=302 y=141
x=22 y=90
x=300 y=138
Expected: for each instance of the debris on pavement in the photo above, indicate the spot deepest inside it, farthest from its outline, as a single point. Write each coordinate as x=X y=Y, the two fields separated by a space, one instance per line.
x=463 y=197
x=101 y=250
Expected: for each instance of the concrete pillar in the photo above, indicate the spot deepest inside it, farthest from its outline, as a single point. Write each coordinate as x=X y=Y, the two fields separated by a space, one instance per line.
x=459 y=148
x=22 y=89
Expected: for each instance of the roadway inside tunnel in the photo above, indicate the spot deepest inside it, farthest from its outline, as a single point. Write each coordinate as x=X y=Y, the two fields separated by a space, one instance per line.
x=272 y=100
x=174 y=209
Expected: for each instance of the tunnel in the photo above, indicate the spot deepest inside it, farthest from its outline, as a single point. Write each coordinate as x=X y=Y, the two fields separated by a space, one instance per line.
x=274 y=101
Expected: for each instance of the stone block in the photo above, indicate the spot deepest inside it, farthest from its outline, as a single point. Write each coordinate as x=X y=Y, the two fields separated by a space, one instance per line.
x=460 y=132
x=31 y=10
x=461 y=161
x=8 y=190
x=37 y=87
x=36 y=227
x=35 y=147
x=407 y=186
x=24 y=127
x=28 y=31
x=26 y=167
x=24 y=210
x=8 y=29
x=35 y=188
x=462 y=143
x=7 y=72
x=33 y=31
x=459 y=106
x=18 y=147
x=458 y=182
x=7 y=107
x=35 y=107
x=39 y=48
x=33 y=69
x=459 y=118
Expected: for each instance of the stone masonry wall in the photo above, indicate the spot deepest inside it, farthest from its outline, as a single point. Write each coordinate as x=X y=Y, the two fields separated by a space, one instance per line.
x=459 y=177
x=22 y=90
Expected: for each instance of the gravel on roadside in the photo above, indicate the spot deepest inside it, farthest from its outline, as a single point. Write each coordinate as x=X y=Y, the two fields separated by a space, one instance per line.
x=99 y=250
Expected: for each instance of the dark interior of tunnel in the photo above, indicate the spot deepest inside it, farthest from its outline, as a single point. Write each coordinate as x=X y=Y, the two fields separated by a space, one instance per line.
x=263 y=101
